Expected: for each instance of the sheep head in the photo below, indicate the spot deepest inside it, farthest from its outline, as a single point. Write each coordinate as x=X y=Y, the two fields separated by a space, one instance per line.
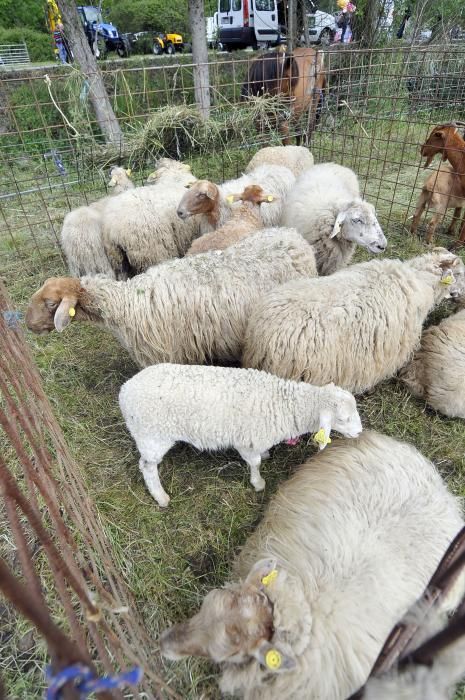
x=253 y=194
x=119 y=176
x=338 y=412
x=358 y=223
x=201 y=198
x=448 y=269
x=54 y=305
x=233 y=625
x=439 y=139
x=167 y=167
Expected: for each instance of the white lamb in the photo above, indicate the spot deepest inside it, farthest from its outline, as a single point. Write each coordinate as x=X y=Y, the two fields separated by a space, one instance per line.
x=345 y=548
x=215 y=408
x=212 y=203
x=296 y=158
x=436 y=373
x=81 y=234
x=356 y=327
x=326 y=208
x=189 y=310
x=140 y=228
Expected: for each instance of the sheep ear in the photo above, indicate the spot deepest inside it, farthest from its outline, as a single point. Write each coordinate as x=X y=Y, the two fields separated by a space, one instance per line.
x=274 y=657
x=211 y=191
x=259 y=571
x=129 y=172
x=269 y=198
x=338 y=223
x=65 y=313
x=112 y=182
x=322 y=437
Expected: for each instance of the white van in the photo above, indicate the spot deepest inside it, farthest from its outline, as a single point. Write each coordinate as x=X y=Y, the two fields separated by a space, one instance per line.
x=245 y=23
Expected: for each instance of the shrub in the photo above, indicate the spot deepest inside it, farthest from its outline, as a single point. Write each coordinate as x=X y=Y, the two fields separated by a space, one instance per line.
x=39 y=44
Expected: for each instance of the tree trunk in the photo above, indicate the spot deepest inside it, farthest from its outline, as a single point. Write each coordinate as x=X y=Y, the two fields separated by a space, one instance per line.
x=291 y=25
x=83 y=55
x=366 y=29
x=200 y=56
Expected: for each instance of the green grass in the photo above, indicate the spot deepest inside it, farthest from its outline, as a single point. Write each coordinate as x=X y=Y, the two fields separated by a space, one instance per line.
x=171 y=558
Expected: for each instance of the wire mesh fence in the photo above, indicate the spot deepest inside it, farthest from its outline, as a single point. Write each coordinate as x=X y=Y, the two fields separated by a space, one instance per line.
x=378 y=108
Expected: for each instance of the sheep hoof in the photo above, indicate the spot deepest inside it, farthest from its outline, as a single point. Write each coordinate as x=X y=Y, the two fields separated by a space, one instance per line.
x=162 y=501
x=259 y=485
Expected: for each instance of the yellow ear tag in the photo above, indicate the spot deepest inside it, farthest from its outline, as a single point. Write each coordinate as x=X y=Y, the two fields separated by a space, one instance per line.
x=448 y=279
x=129 y=172
x=320 y=437
x=72 y=311
x=266 y=580
x=230 y=198
x=273 y=659
x=270 y=198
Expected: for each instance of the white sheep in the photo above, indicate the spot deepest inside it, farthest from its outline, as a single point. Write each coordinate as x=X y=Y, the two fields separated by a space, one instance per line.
x=326 y=208
x=140 y=228
x=436 y=373
x=356 y=327
x=244 y=221
x=346 y=546
x=215 y=408
x=212 y=203
x=189 y=310
x=296 y=158
x=81 y=234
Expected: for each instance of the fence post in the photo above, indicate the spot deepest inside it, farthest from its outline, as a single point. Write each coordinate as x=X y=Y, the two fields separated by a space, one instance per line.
x=200 y=56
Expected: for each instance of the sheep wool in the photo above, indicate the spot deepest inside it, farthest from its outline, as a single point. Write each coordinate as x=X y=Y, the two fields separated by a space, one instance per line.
x=326 y=208
x=356 y=327
x=345 y=548
x=436 y=372
x=216 y=408
x=297 y=158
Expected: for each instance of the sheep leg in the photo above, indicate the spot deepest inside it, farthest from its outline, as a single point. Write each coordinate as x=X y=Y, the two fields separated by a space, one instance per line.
x=253 y=460
x=455 y=219
x=265 y=455
x=152 y=452
x=421 y=204
x=432 y=226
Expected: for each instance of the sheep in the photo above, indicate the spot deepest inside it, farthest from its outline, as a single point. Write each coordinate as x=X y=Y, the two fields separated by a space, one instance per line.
x=120 y=180
x=81 y=235
x=244 y=221
x=446 y=140
x=296 y=158
x=355 y=328
x=186 y=311
x=346 y=546
x=140 y=228
x=441 y=191
x=213 y=203
x=214 y=408
x=436 y=373
x=326 y=208
x=167 y=167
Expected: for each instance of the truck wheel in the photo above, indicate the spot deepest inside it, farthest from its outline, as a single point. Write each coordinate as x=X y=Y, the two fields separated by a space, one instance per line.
x=170 y=50
x=325 y=37
x=157 y=49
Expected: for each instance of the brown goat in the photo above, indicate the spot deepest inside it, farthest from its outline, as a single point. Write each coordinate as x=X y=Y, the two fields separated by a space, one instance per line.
x=446 y=140
x=441 y=191
x=244 y=221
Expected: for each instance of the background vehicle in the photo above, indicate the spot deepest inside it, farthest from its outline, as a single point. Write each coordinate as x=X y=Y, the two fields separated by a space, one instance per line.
x=108 y=37
x=213 y=31
x=167 y=43
x=322 y=27
x=245 y=23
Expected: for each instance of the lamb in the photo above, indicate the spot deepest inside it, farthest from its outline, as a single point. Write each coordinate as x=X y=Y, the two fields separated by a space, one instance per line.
x=140 y=228
x=186 y=311
x=81 y=236
x=446 y=140
x=167 y=167
x=346 y=546
x=355 y=328
x=296 y=158
x=120 y=180
x=212 y=202
x=441 y=191
x=244 y=221
x=436 y=373
x=326 y=208
x=214 y=408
